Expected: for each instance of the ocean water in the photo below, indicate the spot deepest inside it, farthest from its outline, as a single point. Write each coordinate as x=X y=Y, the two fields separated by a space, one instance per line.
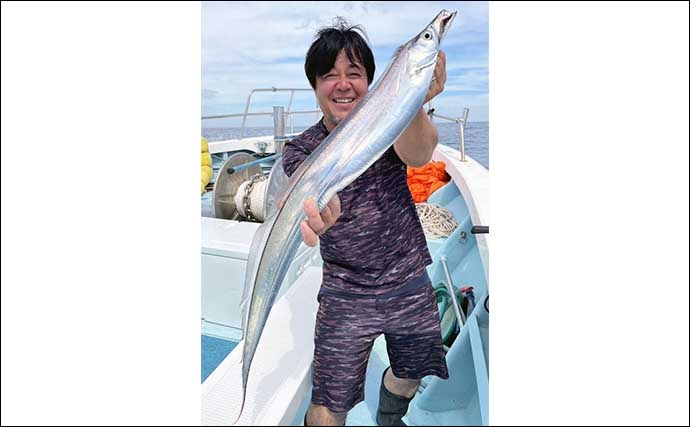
x=476 y=137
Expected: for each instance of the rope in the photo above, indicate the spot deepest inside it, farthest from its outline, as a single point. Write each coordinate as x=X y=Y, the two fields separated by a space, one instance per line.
x=436 y=220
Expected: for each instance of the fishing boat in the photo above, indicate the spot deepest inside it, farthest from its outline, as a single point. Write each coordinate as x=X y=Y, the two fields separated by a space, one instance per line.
x=247 y=178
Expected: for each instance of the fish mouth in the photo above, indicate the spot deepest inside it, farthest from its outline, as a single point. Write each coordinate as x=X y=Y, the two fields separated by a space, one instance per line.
x=445 y=19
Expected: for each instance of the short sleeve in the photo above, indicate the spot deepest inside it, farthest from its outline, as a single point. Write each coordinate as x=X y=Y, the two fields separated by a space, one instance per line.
x=294 y=153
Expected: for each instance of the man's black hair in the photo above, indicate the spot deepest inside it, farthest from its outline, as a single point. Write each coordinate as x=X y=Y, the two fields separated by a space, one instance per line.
x=329 y=42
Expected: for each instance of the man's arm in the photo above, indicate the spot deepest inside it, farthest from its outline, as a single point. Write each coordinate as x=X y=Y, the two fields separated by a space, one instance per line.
x=416 y=145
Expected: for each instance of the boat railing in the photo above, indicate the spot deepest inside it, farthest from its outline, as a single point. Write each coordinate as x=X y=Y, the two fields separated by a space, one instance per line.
x=278 y=115
x=460 y=121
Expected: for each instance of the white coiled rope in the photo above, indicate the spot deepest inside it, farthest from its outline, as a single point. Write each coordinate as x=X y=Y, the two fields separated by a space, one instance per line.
x=436 y=221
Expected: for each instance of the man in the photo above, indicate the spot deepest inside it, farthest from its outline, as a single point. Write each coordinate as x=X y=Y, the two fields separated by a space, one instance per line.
x=372 y=245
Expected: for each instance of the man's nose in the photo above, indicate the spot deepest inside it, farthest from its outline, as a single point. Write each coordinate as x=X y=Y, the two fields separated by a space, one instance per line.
x=343 y=83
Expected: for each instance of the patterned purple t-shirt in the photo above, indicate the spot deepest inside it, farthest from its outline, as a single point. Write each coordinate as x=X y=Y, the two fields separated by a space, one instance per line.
x=377 y=244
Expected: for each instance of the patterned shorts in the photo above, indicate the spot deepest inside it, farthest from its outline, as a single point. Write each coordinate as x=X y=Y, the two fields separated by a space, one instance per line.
x=346 y=327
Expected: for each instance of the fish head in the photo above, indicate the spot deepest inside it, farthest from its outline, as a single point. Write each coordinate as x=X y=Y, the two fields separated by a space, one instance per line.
x=422 y=50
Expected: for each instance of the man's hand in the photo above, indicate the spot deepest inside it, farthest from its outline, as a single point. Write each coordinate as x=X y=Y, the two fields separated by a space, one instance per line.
x=316 y=224
x=439 y=79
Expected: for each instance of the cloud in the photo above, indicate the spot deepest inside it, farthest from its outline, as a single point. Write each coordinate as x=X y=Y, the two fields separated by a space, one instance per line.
x=208 y=93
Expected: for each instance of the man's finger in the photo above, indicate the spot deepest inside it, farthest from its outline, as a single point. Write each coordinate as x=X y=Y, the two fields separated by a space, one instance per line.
x=327 y=218
x=310 y=208
x=440 y=70
x=334 y=205
x=313 y=216
x=308 y=234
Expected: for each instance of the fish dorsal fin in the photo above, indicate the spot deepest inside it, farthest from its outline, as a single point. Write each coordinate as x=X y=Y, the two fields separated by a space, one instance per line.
x=256 y=250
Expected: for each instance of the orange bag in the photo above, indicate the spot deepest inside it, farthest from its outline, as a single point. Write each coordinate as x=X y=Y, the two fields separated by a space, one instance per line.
x=425 y=180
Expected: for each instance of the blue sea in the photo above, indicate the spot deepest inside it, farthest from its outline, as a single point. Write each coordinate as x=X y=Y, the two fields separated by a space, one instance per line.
x=476 y=137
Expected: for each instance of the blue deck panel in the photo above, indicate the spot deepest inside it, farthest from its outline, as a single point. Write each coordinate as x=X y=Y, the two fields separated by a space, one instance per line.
x=213 y=351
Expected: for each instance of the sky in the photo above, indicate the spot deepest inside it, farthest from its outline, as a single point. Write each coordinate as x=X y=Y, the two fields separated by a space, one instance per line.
x=249 y=45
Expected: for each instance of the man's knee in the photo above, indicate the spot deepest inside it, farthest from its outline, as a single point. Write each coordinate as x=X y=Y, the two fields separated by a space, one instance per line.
x=318 y=415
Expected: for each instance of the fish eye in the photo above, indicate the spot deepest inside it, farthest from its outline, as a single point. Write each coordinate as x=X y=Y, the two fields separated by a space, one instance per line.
x=427 y=35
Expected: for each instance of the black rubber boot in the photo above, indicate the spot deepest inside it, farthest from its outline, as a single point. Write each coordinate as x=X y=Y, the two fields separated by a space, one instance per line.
x=391 y=406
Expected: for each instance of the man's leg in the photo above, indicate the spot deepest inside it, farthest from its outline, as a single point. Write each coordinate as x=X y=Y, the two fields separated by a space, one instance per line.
x=414 y=352
x=344 y=335
x=400 y=386
x=318 y=415
x=394 y=398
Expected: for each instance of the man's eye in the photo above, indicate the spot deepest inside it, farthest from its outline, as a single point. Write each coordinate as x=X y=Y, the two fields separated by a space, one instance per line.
x=355 y=75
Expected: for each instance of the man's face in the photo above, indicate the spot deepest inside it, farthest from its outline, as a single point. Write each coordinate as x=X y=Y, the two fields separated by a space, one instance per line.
x=340 y=89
